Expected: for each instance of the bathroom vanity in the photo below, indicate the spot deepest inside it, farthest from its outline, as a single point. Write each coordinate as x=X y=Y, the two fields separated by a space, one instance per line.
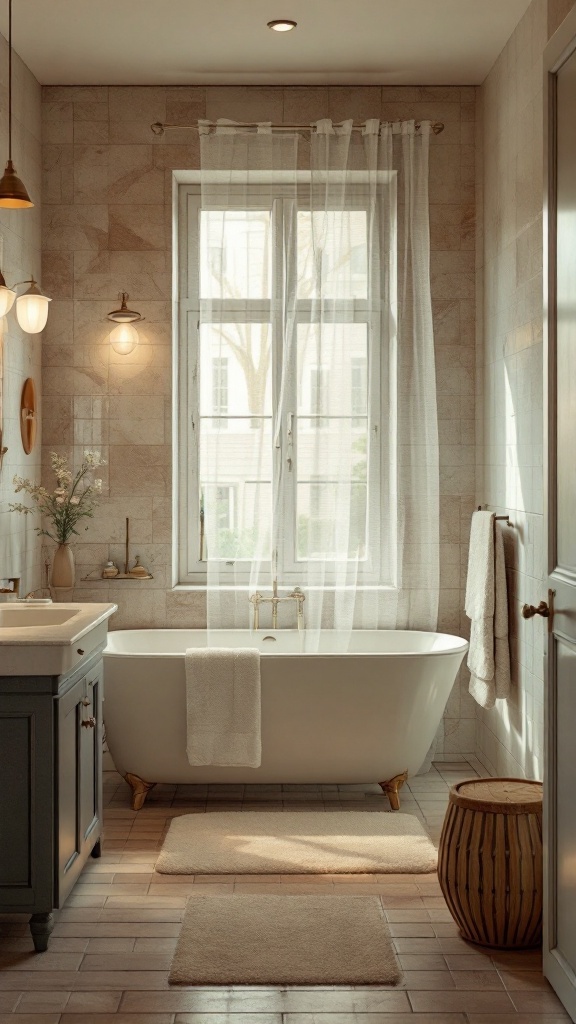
x=50 y=754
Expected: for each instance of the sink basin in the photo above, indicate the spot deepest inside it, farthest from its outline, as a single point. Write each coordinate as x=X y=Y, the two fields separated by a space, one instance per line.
x=12 y=618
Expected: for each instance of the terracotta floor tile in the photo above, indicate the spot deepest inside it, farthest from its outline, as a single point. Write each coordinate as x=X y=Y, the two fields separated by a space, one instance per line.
x=517 y=1018
x=8 y=1001
x=125 y=962
x=422 y=962
x=470 y=962
x=426 y=980
x=266 y=1000
x=155 y=945
x=43 y=1002
x=93 y=1002
x=120 y=981
x=110 y=945
x=542 y=1001
x=29 y=1018
x=477 y=980
x=402 y=916
x=49 y=961
x=231 y=1018
x=368 y=1018
x=461 y=1002
x=411 y=930
x=115 y=1018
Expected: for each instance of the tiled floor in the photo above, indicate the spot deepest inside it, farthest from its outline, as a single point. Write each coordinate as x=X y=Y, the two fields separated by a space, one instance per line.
x=111 y=948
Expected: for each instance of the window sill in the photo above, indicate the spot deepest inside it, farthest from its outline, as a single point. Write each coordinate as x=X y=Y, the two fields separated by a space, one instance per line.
x=183 y=588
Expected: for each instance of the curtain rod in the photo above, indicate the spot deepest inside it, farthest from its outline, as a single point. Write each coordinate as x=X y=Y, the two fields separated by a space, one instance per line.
x=159 y=128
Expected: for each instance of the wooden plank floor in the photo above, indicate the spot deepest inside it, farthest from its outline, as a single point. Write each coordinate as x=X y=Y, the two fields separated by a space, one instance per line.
x=111 y=948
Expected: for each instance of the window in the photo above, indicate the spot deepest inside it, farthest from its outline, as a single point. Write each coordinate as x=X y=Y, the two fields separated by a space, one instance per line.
x=358 y=387
x=318 y=395
x=220 y=390
x=334 y=420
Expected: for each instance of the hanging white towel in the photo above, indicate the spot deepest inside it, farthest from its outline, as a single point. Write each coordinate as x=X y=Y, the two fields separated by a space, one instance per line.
x=223 y=706
x=487 y=608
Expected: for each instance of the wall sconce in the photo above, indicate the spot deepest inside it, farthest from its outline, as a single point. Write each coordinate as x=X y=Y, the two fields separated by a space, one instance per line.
x=31 y=306
x=124 y=338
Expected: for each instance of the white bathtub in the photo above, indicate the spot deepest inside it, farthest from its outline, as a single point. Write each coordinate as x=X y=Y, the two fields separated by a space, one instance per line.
x=367 y=715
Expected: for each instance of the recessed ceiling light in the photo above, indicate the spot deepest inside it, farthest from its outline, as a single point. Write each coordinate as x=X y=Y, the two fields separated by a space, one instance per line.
x=282 y=25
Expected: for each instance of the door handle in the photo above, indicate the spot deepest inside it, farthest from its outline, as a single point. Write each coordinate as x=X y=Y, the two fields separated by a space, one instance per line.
x=545 y=609
x=88 y=723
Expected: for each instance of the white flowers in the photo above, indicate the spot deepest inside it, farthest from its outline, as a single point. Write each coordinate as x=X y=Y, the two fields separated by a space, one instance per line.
x=73 y=497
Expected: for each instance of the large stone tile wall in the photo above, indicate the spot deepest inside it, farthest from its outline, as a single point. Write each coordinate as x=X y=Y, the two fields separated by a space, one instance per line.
x=20 y=258
x=108 y=227
x=510 y=367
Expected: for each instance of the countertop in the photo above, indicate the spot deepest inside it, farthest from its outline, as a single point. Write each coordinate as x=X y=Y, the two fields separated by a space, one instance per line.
x=64 y=635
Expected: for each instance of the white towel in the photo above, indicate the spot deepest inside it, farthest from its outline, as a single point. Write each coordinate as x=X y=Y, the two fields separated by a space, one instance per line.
x=487 y=608
x=223 y=706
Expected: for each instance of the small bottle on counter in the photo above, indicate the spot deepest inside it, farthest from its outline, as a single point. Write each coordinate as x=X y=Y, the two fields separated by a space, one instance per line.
x=109 y=571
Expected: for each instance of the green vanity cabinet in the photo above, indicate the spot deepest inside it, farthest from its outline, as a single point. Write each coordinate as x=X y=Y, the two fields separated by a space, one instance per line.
x=50 y=788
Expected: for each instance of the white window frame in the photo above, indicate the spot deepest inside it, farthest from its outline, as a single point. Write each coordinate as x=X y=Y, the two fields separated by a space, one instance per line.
x=189 y=567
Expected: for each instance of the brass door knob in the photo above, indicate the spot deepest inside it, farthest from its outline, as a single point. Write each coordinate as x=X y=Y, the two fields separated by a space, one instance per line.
x=529 y=610
x=88 y=723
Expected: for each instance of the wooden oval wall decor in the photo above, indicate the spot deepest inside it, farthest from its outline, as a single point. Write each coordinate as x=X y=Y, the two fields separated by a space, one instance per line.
x=28 y=417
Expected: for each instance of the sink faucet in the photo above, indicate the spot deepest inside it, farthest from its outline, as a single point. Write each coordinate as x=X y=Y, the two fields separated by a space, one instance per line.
x=257 y=599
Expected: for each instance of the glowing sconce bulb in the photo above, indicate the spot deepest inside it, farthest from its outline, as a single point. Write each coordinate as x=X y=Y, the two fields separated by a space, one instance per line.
x=124 y=339
x=32 y=309
x=7 y=297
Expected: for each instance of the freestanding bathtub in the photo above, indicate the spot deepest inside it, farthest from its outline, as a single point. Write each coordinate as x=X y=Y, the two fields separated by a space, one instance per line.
x=367 y=715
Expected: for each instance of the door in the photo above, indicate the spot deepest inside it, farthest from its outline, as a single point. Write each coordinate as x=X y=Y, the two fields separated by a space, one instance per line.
x=560 y=661
x=79 y=776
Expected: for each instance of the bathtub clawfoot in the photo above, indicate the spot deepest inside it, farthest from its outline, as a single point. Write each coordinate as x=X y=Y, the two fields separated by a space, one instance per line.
x=391 y=789
x=140 y=790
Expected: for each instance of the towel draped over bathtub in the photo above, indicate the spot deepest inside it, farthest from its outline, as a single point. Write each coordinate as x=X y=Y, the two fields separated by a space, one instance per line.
x=223 y=706
x=487 y=608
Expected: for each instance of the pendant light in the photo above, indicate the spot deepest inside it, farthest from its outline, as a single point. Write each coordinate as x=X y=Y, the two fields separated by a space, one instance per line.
x=13 y=192
x=124 y=338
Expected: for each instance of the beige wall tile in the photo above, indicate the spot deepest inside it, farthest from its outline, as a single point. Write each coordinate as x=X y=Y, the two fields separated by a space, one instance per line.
x=114 y=231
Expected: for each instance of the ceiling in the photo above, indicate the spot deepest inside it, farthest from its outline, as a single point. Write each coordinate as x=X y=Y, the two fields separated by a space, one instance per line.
x=181 y=42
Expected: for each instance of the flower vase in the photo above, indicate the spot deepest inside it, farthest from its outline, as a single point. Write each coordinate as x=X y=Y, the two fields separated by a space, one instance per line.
x=63 y=573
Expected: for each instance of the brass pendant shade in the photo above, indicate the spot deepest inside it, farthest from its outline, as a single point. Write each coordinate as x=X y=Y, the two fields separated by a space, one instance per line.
x=13 y=192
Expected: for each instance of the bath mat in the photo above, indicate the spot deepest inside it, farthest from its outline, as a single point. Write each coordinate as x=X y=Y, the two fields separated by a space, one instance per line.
x=284 y=940
x=295 y=842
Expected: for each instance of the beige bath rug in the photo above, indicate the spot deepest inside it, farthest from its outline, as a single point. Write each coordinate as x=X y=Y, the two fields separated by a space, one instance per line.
x=284 y=940
x=295 y=842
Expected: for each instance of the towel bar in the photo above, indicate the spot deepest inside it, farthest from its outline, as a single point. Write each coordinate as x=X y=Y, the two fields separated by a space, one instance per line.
x=506 y=519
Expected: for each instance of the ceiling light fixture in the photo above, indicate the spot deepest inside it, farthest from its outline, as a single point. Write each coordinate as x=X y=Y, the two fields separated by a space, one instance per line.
x=13 y=192
x=282 y=25
x=124 y=338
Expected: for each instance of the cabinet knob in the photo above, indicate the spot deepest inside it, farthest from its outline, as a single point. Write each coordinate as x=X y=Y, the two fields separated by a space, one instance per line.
x=85 y=703
x=79 y=651
x=89 y=723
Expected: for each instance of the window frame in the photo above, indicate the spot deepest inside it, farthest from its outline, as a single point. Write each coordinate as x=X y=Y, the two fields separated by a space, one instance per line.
x=190 y=568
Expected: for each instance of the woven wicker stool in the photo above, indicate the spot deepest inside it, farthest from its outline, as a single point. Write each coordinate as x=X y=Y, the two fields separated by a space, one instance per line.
x=490 y=861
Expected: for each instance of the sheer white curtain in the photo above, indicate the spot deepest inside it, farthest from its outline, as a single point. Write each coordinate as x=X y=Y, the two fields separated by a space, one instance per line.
x=318 y=431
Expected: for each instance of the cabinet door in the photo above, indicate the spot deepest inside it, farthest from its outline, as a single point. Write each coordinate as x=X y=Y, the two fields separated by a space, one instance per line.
x=91 y=757
x=26 y=803
x=79 y=776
